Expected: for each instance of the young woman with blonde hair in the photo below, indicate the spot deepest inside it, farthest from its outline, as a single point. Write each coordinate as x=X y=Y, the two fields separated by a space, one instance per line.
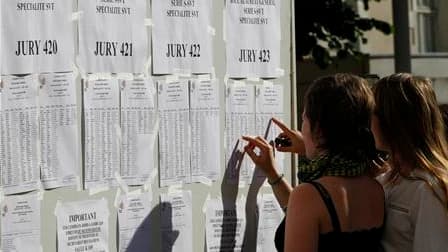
x=444 y=110
x=407 y=123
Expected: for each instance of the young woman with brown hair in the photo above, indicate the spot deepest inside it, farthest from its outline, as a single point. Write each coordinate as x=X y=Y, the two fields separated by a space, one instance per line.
x=408 y=124
x=338 y=206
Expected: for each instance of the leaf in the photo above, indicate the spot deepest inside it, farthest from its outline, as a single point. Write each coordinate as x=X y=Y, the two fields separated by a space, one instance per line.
x=382 y=26
x=333 y=23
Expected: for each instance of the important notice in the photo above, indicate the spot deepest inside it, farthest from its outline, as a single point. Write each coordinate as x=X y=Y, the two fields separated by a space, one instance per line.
x=82 y=217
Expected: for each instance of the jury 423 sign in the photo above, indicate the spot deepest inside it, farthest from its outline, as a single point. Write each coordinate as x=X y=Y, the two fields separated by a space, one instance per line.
x=252 y=55
x=108 y=48
x=36 y=47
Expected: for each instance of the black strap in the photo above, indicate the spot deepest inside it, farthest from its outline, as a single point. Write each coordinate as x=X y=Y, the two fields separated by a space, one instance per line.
x=330 y=206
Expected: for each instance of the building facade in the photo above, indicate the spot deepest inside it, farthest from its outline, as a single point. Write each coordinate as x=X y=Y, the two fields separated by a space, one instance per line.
x=428 y=41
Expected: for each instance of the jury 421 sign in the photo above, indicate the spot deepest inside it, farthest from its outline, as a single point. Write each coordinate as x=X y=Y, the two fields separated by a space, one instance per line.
x=113 y=36
x=107 y=48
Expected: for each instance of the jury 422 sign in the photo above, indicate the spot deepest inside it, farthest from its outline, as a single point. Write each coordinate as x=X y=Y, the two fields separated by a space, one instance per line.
x=183 y=50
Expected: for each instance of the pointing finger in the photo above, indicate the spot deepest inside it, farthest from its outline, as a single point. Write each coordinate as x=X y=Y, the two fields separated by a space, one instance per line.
x=281 y=125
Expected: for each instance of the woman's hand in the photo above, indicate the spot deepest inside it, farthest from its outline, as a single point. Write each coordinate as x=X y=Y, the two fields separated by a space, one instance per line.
x=295 y=137
x=265 y=158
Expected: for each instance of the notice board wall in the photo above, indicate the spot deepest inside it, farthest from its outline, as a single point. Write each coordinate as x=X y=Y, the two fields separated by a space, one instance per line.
x=200 y=191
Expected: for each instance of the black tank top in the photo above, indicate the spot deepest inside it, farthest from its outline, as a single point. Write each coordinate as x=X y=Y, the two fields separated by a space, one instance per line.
x=362 y=240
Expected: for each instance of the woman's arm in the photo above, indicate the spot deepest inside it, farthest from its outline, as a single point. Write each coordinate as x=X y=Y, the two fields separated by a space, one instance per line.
x=265 y=161
x=281 y=188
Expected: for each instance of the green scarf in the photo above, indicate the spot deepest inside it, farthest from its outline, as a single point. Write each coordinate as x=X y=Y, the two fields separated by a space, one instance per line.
x=329 y=165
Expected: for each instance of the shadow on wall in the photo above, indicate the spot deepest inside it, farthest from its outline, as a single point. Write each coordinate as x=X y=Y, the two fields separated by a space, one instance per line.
x=149 y=235
x=229 y=192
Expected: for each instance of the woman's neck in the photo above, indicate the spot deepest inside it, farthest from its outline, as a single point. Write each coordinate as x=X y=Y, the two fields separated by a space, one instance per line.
x=404 y=167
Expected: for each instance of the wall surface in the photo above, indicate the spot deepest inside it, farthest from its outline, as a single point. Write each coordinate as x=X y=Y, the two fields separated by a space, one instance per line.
x=199 y=191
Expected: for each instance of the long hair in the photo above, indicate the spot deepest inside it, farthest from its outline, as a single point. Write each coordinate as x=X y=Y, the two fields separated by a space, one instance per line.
x=339 y=108
x=412 y=126
x=444 y=110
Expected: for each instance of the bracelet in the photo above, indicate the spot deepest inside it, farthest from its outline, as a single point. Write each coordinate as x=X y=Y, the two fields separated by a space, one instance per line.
x=276 y=181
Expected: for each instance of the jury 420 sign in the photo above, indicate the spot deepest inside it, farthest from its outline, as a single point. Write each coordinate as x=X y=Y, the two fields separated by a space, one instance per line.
x=36 y=36
x=36 y=47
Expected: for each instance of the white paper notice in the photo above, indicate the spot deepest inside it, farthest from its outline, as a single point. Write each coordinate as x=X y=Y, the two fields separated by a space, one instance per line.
x=58 y=130
x=102 y=128
x=181 y=42
x=205 y=127
x=138 y=117
x=19 y=134
x=113 y=36
x=253 y=35
x=240 y=120
x=174 y=135
x=225 y=227
x=20 y=223
x=271 y=214
x=269 y=103
x=36 y=36
x=177 y=222
x=133 y=220
x=83 y=226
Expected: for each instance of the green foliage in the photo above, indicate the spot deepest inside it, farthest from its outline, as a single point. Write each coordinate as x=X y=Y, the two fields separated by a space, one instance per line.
x=324 y=26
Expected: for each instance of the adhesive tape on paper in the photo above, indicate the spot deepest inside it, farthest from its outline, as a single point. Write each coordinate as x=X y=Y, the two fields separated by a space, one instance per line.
x=148 y=22
x=280 y=72
x=96 y=190
x=121 y=183
x=175 y=189
x=268 y=83
x=125 y=76
x=172 y=78
x=254 y=79
x=206 y=181
x=211 y=30
x=239 y=84
x=207 y=200
x=117 y=198
x=76 y=15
